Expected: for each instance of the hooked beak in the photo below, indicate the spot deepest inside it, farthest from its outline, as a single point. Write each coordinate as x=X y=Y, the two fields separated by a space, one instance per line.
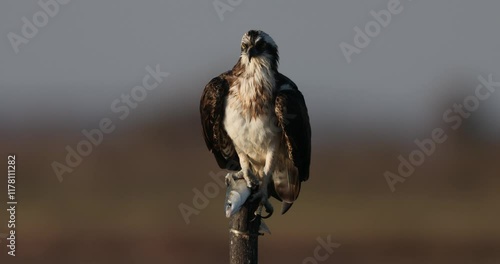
x=252 y=52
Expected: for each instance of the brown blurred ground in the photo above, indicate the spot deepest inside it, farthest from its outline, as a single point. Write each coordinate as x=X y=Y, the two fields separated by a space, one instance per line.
x=121 y=204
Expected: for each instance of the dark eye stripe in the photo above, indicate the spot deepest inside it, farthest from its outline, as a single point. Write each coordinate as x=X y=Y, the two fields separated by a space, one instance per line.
x=261 y=44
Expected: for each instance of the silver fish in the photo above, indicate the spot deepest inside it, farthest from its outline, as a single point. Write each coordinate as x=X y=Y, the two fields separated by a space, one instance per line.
x=237 y=193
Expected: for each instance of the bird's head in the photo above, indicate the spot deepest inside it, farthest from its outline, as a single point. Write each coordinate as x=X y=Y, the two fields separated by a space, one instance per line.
x=258 y=47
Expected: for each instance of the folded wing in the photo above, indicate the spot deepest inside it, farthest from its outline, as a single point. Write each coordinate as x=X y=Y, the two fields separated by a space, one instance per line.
x=212 y=108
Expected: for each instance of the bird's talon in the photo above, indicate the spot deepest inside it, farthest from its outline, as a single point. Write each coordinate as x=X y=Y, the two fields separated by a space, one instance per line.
x=253 y=185
x=258 y=212
x=269 y=214
x=238 y=175
x=269 y=209
x=233 y=176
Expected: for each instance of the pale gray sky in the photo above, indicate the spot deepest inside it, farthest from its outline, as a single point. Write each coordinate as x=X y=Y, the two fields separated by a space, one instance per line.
x=92 y=51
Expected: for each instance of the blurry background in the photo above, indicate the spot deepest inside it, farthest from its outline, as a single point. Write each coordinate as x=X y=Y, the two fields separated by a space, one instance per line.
x=121 y=204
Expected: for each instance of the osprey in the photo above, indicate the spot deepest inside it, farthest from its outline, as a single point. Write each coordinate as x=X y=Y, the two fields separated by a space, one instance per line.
x=255 y=122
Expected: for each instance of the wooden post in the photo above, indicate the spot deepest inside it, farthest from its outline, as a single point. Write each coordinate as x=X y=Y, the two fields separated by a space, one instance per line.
x=244 y=235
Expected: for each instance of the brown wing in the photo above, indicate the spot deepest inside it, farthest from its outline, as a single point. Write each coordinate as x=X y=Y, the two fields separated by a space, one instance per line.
x=293 y=119
x=212 y=108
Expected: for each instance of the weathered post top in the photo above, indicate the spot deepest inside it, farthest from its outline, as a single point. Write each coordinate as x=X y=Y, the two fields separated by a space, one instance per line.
x=244 y=235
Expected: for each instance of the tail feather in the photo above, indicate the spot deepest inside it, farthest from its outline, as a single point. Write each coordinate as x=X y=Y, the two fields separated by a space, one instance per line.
x=287 y=184
x=285 y=207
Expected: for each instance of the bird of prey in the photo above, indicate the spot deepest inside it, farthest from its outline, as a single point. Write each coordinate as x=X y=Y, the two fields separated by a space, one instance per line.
x=255 y=122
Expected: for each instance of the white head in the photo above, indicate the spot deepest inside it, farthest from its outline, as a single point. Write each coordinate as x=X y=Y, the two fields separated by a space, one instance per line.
x=257 y=47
